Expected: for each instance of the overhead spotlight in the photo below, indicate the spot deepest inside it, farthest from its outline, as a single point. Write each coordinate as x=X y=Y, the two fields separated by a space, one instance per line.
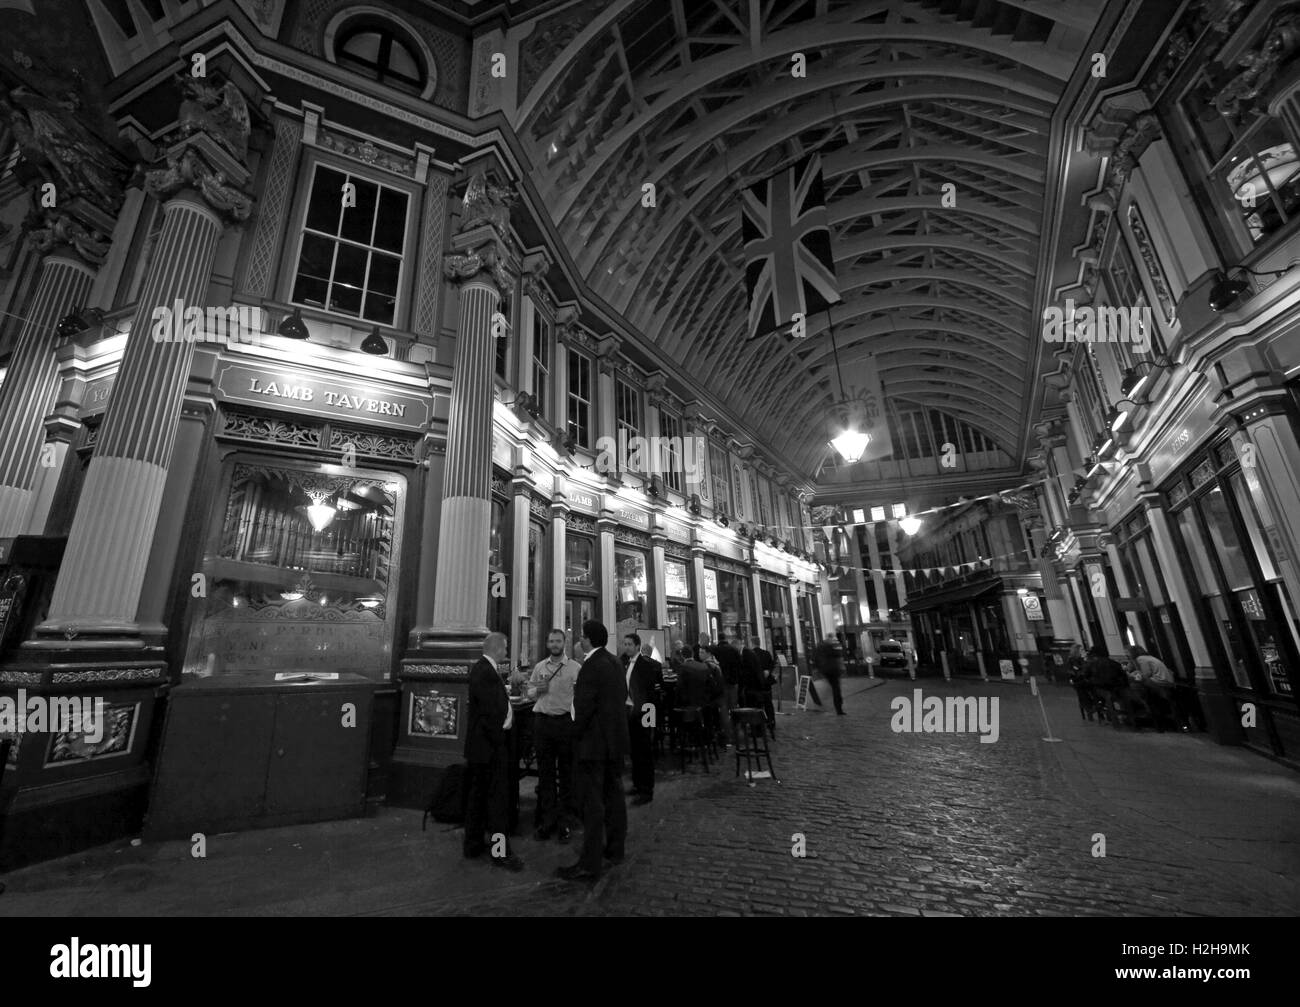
x=374 y=343
x=78 y=321
x=1225 y=291
x=293 y=327
x=570 y=445
x=720 y=516
x=694 y=506
x=652 y=487
x=910 y=524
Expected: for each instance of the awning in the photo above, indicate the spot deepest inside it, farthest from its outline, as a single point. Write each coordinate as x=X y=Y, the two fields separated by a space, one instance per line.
x=967 y=592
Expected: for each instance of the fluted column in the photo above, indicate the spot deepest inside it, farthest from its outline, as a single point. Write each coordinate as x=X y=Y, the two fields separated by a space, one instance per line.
x=100 y=583
x=559 y=558
x=465 y=521
x=28 y=390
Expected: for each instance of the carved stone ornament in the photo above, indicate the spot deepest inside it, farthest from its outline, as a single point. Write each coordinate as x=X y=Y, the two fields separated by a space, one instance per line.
x=221 y=113
x=1261 y=66
x=187 y=168
x=486 y=203
x=53 y=229
x=485 y=262
x=55 y=147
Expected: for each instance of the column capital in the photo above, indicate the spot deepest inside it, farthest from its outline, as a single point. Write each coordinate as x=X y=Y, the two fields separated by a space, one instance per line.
x=484 y=261
x=207 y=154
x=56 y=231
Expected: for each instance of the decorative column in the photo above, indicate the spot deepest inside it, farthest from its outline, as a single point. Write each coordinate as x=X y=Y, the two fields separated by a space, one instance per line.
x=1125 y=588
x=1085 y=628
x=522 y=495
x=658 y=594
x=477 y=265
x=865 y=615
x=697 y=571
x=99 y=588
x=559 y=552
x=73 y=238
x=606 y=524
x=759 y=635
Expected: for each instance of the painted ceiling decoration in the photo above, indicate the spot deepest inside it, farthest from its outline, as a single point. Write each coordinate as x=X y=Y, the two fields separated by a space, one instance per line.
x=931 y=120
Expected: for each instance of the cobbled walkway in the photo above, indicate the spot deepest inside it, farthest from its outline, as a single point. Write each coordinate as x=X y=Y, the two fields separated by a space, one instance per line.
x=893 y=825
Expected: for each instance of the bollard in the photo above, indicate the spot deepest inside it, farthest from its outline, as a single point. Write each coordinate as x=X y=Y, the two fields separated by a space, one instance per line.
x=1033 y=687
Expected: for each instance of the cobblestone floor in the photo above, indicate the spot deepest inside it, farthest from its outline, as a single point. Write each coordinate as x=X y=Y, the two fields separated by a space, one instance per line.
x=895 y=824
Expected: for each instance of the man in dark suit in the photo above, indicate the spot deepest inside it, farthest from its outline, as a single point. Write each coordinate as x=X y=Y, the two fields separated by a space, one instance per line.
x=645 y=684
x=488 y=720
x=729 y=661
x=600 y=742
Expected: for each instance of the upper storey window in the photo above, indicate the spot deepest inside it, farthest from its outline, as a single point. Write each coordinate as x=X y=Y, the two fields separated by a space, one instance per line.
x=376 y=49
x=1253 y=171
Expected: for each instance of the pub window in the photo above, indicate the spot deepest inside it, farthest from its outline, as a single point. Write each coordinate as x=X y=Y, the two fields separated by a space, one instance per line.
x=627 y=408
x=632 y=586
x=579 y=427
x=498 y=609
x=1127 y=291
x=298 y=575
x=378 y=50
x=350 y=261
x=718 y=473
x=542 y=362
x=1252 y=171
x=670 y=428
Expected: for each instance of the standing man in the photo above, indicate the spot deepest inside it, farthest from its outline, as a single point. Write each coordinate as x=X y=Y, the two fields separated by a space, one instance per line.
x=831 y=662
x=600 y=742
x=552 y=681
x=645 y=683
x=728 y=655
x=488 y=719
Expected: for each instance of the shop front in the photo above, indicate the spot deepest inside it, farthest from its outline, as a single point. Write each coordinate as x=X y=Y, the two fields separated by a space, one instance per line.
x=729 y=599
x=679 y=593
x=1232 y=555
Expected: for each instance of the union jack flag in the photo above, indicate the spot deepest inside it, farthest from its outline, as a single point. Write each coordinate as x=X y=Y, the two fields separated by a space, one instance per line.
x=788 y=263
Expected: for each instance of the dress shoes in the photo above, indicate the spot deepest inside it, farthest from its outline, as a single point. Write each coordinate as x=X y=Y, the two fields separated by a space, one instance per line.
x=575 y=872
x=511 y=863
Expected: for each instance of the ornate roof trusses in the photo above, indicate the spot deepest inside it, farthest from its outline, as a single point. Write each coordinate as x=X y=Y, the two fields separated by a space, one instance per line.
x=900 y=98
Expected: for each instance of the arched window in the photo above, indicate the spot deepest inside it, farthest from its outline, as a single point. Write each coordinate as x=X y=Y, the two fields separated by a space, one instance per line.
x=381 y=51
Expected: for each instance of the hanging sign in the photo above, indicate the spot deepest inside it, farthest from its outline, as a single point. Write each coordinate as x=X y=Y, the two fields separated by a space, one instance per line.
x=1033 y=607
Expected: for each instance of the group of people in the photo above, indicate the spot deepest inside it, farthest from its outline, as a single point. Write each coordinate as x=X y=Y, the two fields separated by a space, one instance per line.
x=1143 y=682
x=589 y=711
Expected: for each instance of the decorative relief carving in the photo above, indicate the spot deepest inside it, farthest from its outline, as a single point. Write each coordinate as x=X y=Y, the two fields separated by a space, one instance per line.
x=270 y=216
x=58 y=229
x=373 y=445
x=539 y=508
x=1280 y=42
x=187 y=168
x=217 y=112
x=1220 y=16
x=435 y=216
x=148 y=674
x=544 y=44
x=444 y=671
x=580 y=523
x=501 y=487
x=266 y=430
x=1147 y=252
x=20 y=677
x=486 y=262
x=629 y=536
x=365 y=152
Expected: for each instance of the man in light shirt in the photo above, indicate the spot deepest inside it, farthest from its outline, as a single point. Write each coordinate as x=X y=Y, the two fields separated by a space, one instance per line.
x=552 y=682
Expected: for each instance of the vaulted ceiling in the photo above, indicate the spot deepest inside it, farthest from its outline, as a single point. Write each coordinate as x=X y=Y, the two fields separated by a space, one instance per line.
x=900 y=98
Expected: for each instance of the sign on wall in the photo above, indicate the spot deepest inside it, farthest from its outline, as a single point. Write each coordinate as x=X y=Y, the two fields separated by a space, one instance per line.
x=329 y=397
x=710 y=589
x=1033 y=607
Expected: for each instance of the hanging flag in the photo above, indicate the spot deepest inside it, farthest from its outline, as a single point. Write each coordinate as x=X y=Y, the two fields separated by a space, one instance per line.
x=789 y=268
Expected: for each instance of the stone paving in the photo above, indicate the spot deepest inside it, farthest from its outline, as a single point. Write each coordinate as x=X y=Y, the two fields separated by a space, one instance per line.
x=895 y=824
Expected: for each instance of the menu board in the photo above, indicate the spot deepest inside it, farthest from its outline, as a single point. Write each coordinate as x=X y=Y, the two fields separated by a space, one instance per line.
x=711 y=589
x=676 y=582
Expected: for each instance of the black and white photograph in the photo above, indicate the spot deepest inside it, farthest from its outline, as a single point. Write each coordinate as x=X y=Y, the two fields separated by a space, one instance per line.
x=674 y=458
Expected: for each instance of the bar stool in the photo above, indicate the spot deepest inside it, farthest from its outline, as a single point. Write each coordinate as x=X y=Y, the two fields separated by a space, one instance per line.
x=751 y=740
x=691 y=734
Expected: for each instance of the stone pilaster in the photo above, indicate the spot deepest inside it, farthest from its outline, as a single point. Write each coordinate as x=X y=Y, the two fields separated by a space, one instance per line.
x=100 y=584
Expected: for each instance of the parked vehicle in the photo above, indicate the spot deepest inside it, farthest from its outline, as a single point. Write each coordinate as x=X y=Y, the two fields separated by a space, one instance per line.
x=890 y=656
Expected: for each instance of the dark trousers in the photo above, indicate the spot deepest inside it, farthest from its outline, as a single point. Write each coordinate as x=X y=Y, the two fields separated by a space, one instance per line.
x=604 y=812
x=487 y=802
x=553 y=743
x=836 y=695
x=643 y=753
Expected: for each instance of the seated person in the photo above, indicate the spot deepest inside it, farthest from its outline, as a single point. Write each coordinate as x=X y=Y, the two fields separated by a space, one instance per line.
x=1154 y=683
x=1107 y=679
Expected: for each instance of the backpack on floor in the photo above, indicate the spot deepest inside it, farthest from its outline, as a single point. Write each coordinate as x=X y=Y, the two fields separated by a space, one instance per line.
x=448 y=802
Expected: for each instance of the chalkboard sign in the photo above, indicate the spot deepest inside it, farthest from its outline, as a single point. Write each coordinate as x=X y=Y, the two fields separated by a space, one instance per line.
x=801 y=697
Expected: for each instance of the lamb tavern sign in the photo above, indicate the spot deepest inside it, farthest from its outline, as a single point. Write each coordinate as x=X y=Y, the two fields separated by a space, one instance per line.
x=270 y=387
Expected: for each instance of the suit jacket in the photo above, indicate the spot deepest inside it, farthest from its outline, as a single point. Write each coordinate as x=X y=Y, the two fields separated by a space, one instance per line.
x=485 y=713
x=647 y=683
x=692 y=684
x=752 y=677
x=600 y=709
x=729 y=660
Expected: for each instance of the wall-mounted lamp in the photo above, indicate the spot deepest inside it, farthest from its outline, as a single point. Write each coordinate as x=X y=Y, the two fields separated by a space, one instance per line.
x=527 y=401
x=720 y=516
x=1225 y=291
x=694 y=506
x=1136 y=375
x=293 y=327
x=374 y=343
x=78 y=321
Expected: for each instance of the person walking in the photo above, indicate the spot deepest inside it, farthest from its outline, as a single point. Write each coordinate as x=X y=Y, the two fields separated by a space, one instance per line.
x=831 y=662
x=552 y=682
x=600 y=742
x=488 y=720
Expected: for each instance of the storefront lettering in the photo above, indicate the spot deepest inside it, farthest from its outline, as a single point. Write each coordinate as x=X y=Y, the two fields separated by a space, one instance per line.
x=340 y=400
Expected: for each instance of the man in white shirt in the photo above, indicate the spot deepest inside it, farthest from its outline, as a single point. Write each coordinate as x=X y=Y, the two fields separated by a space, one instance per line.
x=552 y=682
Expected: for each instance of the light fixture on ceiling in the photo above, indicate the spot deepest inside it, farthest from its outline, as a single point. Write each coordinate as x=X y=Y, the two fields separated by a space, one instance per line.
x=1225 y=291
x=911 y=524
x=320 y=515
x=293 y=327
x=850 y=442
x=374 y=343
